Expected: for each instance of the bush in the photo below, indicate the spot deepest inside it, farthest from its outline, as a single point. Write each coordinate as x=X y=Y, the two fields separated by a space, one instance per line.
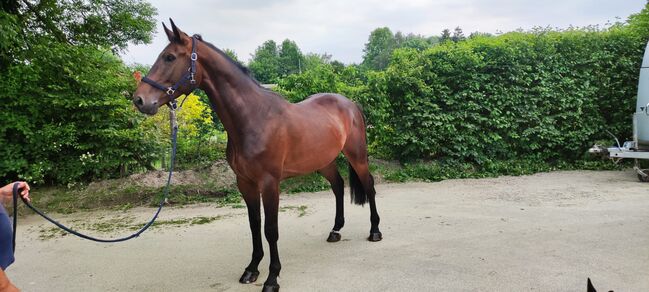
x=65 y=117
x=542 y=94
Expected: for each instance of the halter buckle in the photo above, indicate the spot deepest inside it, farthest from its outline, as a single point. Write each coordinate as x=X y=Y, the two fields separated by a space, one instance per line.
x=173 y=104
x=191 y=78
x=170 y=91
x=194 y=57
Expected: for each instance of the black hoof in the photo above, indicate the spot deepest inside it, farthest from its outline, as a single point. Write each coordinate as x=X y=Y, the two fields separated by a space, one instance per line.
x=248 y=277
x=375 y=236
x=270 y=288
x=333 y=237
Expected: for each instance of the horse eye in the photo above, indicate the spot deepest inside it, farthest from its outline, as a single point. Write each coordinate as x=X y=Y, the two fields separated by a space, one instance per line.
x=170 y=58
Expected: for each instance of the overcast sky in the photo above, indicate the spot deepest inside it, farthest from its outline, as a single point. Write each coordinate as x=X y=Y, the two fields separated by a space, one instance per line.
x=341 y=27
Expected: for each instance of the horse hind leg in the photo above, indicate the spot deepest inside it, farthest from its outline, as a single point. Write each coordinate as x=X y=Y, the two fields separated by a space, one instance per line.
x=361 y=182
x=330 y=172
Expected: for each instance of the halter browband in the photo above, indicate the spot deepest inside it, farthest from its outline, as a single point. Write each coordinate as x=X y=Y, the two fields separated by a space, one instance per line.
x=189 y=76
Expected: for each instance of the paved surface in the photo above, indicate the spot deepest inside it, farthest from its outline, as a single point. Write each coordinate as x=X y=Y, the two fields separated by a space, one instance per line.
x=545 y=232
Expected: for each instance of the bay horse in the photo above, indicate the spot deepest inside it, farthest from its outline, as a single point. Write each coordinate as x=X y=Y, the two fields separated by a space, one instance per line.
x=269 y=139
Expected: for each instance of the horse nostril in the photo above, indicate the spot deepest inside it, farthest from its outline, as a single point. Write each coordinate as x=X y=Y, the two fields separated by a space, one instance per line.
x=138 y=101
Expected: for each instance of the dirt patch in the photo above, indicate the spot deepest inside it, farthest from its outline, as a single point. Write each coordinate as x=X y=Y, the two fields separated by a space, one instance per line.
x=218 y=174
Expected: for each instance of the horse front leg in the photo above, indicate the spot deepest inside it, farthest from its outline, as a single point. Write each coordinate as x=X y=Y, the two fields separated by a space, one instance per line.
x=270 y=194
x=251 y=196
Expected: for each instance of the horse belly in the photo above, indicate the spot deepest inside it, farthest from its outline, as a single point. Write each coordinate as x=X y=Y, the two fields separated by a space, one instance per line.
x=316 y=151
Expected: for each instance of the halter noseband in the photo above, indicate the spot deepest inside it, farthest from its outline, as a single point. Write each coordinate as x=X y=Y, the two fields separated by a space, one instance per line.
x=189 y=76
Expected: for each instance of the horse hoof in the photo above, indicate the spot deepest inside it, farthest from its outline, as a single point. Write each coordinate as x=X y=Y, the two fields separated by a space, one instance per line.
x=333 y=237
x=375 y=236
x=248 y=277
x=270 y=288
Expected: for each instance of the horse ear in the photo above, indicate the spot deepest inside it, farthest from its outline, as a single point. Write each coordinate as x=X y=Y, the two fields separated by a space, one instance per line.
x=177 y=33
x=138 y=76
x=170 y=34
x=590 y=287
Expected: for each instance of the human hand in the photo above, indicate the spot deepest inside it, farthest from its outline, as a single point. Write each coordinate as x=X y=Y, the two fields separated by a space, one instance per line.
x=6 y=192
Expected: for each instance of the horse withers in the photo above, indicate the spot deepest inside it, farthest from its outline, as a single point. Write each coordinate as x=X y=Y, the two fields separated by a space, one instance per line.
x=269 y=139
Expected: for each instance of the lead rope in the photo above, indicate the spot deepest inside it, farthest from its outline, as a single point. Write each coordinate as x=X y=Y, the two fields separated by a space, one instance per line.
x=174 y=132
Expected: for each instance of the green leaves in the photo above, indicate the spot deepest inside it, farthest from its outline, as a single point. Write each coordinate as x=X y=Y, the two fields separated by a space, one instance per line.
x=63 y=109
x=542 y=94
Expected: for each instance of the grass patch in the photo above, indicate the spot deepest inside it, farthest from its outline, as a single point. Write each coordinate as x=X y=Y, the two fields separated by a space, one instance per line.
x=309 y=183
x=124 y=223
x=123 y=198
x=436 y=171
x=301 y=210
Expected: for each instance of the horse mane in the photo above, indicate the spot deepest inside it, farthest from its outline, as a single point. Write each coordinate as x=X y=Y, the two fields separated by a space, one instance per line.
x=241 y=67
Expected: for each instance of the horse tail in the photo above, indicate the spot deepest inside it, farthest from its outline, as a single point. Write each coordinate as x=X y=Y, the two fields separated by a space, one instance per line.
x=357 y=192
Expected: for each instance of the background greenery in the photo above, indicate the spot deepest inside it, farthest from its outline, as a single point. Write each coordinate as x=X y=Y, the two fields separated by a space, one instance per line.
x=442 y=106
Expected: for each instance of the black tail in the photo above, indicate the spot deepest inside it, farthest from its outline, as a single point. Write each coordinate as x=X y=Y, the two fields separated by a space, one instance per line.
x=359 y=197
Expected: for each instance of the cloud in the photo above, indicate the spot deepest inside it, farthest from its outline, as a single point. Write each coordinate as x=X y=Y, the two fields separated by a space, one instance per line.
x=341 y=27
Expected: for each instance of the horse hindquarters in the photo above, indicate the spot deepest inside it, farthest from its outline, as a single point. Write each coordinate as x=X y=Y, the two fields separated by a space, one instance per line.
x=360 y=179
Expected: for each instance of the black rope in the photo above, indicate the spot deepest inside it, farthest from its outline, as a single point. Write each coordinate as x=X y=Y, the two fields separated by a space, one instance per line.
x=174 y=133
x=15 y=199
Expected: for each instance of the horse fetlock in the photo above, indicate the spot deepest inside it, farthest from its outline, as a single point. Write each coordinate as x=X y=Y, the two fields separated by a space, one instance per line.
x=270 y=288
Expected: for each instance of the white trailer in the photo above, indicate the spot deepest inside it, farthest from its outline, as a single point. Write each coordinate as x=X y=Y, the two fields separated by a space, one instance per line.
x=639 y=147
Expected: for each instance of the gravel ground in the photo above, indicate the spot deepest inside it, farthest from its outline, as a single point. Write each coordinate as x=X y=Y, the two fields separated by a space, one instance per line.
x=544 y=232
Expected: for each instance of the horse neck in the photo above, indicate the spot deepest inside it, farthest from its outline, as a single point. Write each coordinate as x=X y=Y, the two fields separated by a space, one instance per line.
x=239 y=102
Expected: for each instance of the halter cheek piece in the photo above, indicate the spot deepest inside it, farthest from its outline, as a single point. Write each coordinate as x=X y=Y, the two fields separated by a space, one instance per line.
x=189 y=76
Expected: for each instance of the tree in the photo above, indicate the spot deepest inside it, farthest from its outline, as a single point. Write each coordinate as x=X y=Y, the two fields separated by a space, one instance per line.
x=446 y=35
x=105 y=23
x=476 y=34
x=265 y=62
x=313 y=60
x=64 y=114
x=417 y=42
x=378 y=49
x=290 y=58
x=230 y=53
x=458 y=36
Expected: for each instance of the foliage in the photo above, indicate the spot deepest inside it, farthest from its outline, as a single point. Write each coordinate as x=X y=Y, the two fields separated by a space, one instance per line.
x=542 y=95
x=265 y=62
x=272 y=62
x=104 y=23
x=290 y=58
x=200 y=143
x=378 y=49
x=445 y=36
x=458 y=35
x=322 y=78
x=230 y=53
x=65 y=117
x=64 y=114
x=436 y=171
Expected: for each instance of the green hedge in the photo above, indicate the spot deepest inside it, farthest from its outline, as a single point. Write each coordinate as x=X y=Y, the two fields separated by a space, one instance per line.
x=543 y=95
x=65 y=118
